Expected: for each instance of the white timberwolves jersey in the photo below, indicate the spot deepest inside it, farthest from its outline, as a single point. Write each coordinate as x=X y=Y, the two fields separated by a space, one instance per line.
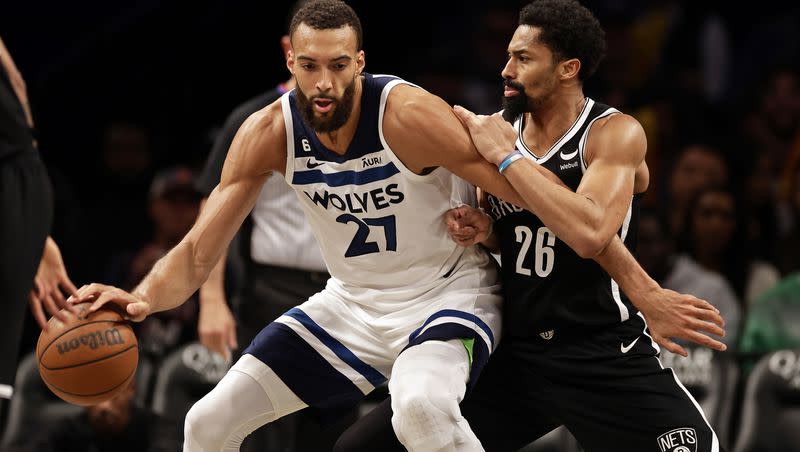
x=379 y=225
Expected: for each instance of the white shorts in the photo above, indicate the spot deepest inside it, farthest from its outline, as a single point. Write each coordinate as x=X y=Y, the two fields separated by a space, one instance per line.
x=342 y=343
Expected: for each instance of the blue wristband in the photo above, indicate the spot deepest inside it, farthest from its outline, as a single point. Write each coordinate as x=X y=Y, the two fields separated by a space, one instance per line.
x=510 y=158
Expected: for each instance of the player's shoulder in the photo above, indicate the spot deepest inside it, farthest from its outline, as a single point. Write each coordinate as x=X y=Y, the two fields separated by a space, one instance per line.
x=261 y=141
x=617 y=125
x=617 y=135
x=250 y=106
x=267 y=120
x=412 y=106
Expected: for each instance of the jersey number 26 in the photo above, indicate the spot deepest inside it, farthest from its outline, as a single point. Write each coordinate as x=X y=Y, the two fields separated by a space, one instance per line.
x=544 y=254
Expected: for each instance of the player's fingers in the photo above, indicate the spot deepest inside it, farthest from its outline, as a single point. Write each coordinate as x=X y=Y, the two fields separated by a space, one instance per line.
x=38 y=312
x=465 y=230
x=232 y=342
x=706 y=341
x=672 y=346
x=115 y=296
x=466 y=116
x=701 y=325
x=703 y=304
x=709 y=317
x=77 y=295
x=67 y=284
x=468 y=220
x=87 y=291
x=221 y=343
x=58 y=297
x=49 y=303
x=206 y=339
x=38 y=286
x=466 y=240
x=138 y=311
x=212 y=340
x=61 y=314
x=450 y=220
x=453 y=213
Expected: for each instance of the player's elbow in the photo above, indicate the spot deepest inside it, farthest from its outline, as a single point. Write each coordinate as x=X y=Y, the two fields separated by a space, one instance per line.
x=197 y=261
x=591 y=244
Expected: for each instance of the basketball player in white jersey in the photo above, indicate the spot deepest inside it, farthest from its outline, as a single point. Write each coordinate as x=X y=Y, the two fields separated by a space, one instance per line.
x=376 y=163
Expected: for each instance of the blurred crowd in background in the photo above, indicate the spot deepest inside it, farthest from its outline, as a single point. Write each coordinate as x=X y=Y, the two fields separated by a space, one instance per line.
x=128 y=99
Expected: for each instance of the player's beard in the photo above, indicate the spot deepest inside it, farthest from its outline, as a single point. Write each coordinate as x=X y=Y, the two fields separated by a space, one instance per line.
x=515 y=106
x=342 y=108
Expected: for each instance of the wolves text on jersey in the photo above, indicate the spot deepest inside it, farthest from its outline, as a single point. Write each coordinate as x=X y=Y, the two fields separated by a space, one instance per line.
x=368 y=201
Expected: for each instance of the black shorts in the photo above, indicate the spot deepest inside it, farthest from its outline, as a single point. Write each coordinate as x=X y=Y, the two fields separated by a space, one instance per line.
x=608 y=388
x=26 y=213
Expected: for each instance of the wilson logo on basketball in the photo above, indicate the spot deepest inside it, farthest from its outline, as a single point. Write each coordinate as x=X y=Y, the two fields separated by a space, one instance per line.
x=98 y=338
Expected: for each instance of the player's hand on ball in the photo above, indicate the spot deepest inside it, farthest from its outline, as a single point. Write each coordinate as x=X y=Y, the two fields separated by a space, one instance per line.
x=468 y=225
x=100 y=294
x=670 y=314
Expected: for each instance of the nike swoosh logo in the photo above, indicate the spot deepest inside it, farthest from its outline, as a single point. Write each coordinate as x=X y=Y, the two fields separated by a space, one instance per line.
x=312 y=165
x=568 y=156
x=625 y=349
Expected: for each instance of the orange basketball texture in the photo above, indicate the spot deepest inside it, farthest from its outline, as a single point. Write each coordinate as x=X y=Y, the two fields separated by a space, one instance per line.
x=90 y=358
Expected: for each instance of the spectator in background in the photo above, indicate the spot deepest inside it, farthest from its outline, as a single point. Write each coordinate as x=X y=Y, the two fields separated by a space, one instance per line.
x=482 y=86
x=787 y=246
x=173 y=207
x=771 y=323
x=760 y=205
x=656 y=252
x=714 y=236
x=117 y=217
x=773 y=127
x=116 y=425
x=697 y=165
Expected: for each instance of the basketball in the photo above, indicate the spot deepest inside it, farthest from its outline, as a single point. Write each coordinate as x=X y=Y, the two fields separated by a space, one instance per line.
x=90 y=358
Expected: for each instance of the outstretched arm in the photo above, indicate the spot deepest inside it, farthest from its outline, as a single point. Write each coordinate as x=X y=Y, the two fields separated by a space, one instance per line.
x=256 y=150
x=588 y=219
x=669 y=314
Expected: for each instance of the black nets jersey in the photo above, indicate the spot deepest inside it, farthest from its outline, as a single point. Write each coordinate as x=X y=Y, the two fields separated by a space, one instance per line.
x=548 y=289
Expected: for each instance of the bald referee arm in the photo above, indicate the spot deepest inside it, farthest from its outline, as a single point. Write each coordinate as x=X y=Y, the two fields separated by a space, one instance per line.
x=257 y=150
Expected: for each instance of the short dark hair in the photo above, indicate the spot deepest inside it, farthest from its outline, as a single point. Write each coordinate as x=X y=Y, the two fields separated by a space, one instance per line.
x=569 y=30
x=327 y=15
x=292 y=11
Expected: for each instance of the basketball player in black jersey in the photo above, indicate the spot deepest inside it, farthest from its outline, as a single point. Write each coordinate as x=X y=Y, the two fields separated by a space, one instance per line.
x=575 y=351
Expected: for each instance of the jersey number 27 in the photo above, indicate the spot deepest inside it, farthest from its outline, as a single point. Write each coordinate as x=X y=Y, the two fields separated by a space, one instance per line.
x=359 y=245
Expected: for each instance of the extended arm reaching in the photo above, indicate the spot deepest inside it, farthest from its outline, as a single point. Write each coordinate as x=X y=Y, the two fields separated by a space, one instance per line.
x=256 y=151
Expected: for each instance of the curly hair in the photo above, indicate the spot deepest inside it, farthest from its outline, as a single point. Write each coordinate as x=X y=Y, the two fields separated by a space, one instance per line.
x=569 y=30
x=327 y=15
